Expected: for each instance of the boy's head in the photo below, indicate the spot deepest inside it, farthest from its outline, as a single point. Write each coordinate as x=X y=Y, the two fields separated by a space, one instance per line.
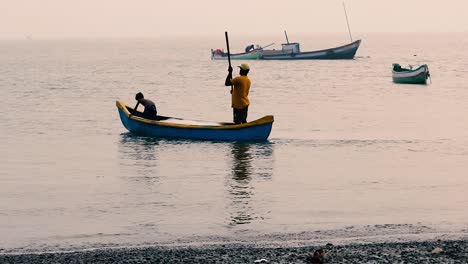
x=139 y=96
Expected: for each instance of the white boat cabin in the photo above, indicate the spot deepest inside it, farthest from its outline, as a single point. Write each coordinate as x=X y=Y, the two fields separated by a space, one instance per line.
x=291 y=47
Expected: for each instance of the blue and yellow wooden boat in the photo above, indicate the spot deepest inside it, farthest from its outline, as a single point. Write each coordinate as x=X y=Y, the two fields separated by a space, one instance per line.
x=170 y=127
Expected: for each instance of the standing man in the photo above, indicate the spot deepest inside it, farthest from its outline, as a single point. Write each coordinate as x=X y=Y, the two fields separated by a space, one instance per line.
x=239 y=93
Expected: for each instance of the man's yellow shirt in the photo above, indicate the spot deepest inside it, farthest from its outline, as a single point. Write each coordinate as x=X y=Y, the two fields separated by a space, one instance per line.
x=240 y=93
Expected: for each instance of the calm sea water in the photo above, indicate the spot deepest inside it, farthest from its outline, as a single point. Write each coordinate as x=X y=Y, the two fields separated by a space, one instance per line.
x=350 y=155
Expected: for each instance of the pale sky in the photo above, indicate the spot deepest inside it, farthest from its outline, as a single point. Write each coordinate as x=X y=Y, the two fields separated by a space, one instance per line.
x=153 y=18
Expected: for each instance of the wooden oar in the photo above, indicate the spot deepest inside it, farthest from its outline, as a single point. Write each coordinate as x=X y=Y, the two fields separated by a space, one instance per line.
x=229 y=55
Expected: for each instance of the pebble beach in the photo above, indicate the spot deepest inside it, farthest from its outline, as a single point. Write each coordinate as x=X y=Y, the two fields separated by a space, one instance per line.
x=437 y=251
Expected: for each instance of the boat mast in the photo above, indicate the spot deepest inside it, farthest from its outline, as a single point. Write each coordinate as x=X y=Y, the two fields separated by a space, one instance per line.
x=347 y=22
x=286 y=34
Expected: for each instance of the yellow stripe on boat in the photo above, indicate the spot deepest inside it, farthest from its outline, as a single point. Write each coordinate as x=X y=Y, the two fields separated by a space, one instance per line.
x=264 y=120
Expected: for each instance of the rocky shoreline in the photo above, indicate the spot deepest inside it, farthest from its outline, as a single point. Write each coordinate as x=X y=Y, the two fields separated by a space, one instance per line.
x=437 y=251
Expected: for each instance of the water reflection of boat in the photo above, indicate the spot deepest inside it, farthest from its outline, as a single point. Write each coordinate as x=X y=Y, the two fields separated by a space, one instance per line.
x=134 y=147
x=138 y=158
x=170 y=127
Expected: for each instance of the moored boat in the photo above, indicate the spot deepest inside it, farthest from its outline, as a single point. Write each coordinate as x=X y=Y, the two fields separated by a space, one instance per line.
x=170 y=127
x=419 y=75
x=219 y=54
x=292 y=51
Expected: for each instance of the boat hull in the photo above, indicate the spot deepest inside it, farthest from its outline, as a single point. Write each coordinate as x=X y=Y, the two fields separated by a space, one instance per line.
x=417 y=76
x=240 y=56
x=258 y=130
x=345 y=52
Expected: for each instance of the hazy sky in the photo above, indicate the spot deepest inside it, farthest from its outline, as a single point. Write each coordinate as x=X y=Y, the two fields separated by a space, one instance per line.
x=152 y=18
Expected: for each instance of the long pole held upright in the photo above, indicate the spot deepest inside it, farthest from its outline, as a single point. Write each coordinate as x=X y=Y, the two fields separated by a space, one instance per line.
x=286 y=34
x=227 y=44
x=229 y=53
x=347 y=22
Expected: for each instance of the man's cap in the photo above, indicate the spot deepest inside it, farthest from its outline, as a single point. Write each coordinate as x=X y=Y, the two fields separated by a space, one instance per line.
x=244 y=66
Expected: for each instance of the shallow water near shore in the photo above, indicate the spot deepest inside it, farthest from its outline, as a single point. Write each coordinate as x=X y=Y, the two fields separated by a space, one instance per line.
x=351 y=154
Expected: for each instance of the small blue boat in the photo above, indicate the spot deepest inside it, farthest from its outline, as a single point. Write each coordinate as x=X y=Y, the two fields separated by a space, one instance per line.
x=419 y=75
x=170 y=127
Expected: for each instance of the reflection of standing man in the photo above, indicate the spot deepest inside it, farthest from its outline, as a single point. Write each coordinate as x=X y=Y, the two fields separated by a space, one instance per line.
x=250 y=162
x=242 y=169
x=239 y=93
x=240 y=190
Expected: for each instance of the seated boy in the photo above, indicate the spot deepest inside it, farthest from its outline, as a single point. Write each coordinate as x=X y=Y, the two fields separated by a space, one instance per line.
x=150 y=111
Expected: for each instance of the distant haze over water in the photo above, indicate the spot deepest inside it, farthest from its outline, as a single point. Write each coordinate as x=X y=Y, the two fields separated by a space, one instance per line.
x=147 y=18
